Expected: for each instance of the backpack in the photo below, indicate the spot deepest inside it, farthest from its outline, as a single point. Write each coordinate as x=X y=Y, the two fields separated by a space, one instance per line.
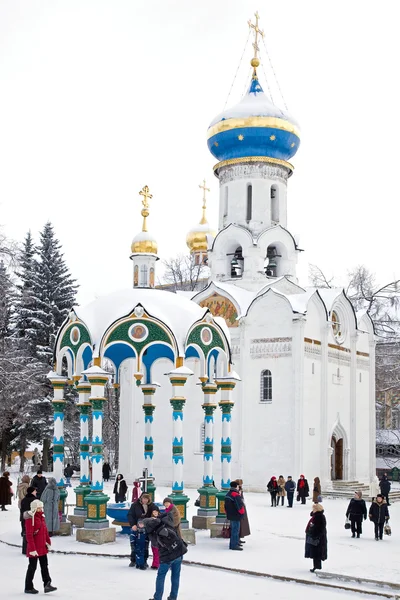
x=167 y=538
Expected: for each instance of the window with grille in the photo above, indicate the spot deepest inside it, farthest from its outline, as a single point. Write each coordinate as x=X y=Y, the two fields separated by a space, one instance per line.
x=143 y=276
x=266 y=386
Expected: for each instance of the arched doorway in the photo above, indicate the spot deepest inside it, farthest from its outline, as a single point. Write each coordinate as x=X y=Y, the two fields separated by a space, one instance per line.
x=337 y=459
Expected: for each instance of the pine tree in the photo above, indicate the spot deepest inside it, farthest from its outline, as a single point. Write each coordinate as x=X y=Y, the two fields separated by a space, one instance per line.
x=25 y=322
x=55 y=292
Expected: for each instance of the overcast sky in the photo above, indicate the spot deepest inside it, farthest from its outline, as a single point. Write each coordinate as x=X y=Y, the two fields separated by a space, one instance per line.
x=99 y=98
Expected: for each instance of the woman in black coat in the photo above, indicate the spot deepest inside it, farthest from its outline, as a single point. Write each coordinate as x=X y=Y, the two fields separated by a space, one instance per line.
x=356 y=512
x=120 y=488
x=379 y=515
x=303 y=489
x=316 y=537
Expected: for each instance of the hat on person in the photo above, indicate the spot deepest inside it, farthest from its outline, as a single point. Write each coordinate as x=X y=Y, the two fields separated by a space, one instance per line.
x=317 y=507
x=359 y=493
x=35 y=505
x=167 y=500
x=234 y=484
x=31 y=489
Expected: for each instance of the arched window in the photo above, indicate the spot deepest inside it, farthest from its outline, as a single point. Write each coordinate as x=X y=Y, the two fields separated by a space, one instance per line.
x=237 y=263
x=266 y=386
x=249 y=205
x=226 y=202
x=274 y=204
x=143 y=276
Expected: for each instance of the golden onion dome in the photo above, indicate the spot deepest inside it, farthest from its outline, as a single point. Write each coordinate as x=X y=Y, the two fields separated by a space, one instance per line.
x=197 y=238
x=144 y=243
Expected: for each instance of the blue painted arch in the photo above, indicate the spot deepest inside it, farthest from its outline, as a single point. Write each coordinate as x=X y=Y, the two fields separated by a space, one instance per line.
x=154 y=352
x=117 y=353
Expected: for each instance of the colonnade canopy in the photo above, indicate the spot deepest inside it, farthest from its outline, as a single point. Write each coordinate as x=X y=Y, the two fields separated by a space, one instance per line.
x=141 y=324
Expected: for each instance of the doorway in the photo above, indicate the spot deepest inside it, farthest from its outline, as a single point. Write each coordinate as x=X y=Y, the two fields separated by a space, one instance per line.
x=337 y=459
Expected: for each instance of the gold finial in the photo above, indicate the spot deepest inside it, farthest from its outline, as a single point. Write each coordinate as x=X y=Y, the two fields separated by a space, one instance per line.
x=255 y=61
x=205 y=189
x=145 y=192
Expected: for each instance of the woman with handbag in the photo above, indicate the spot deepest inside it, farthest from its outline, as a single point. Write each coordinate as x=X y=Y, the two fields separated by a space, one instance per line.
x=356 y=511
x=244 y=522
x=273 y=489
x=316 y=538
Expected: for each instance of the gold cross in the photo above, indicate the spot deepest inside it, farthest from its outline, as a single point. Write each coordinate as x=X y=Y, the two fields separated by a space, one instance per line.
x=145 y=192
x=257 y=31
x=205 y=189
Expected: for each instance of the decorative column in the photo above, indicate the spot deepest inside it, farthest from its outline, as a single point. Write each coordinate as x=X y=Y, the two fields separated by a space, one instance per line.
x=149 y=408
x=83 y=489
x=226 y=385
x=178 y=378
x=208 y=499
x=59 y=382
x=96 y=501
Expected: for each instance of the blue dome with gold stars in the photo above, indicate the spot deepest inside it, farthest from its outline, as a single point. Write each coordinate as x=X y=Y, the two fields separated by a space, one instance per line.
x=254 y=127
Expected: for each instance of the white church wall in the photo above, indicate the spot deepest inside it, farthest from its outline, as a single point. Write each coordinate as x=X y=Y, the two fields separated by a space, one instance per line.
x=267 y=427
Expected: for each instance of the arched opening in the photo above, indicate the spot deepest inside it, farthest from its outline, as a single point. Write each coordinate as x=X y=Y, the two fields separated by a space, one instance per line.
x=143 y=276
x=337 y=459
x=266 y=386
x=249 y=203
x=274 y=204
x=237 y=263
x=273 y=256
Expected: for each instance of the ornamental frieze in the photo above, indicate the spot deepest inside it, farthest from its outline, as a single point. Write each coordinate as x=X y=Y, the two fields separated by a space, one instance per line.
x=253 y=170
x=272 y=349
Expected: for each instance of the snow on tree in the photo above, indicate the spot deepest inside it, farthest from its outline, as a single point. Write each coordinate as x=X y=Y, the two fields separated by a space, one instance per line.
x=181 y=273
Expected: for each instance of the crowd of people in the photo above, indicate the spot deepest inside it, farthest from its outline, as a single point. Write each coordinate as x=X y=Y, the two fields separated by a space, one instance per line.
x=38 y=501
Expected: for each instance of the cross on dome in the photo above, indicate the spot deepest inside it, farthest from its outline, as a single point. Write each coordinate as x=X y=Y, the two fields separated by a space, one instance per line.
x=255 y=61
x=205 y=189
x=145 y=192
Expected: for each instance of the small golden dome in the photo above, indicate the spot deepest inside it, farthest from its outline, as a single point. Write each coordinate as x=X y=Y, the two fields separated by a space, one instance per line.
x=144 y=243
x=196 y=239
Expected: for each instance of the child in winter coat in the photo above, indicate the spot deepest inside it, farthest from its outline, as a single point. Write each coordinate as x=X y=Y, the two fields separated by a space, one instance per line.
x=38 y=543
x=138 y=541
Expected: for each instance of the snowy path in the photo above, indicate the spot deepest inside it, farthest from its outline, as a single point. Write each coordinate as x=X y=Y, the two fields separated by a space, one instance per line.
x=276 y=547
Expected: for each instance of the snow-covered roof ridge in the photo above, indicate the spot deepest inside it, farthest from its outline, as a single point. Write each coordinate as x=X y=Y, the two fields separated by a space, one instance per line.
x=175 y=311
x=239 y=295
x=328 y=295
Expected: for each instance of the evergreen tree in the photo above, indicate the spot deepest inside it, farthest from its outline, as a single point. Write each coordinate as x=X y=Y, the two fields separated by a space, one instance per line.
x=55 y=292
x=25 y=321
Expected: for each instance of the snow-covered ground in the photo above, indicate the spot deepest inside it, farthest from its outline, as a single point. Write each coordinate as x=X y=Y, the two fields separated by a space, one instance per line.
x=276 y=546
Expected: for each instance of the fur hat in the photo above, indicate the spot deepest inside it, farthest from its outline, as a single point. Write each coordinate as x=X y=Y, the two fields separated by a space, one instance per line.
x=317 y=508
x=35 y=505
x=234 y=484
x=359 y=493
x=167 y=500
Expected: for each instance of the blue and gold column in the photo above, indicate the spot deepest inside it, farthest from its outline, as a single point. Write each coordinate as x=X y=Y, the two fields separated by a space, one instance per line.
x=178 y=378
x=59 y=382
x=96 y=501
x=83 y=489
x=208 y=504
x=149 y=408
x=226 y=385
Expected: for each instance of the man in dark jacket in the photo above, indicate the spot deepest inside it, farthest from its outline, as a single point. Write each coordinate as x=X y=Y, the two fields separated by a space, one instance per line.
x=39 y=482
x=139 y=510
x=171 y=547
x=290 y=488
x=234 y=509
x=385 y=486
x=379 y=515
x=25 y=506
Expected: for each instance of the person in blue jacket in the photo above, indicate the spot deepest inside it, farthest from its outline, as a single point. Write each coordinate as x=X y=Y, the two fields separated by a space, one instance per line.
x=290 y=488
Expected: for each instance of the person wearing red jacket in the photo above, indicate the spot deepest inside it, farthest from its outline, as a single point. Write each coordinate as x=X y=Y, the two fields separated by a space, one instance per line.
x=38 y=544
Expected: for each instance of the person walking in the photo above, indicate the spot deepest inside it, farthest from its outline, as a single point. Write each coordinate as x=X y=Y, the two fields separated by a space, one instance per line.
x=316 y=538
x=38 y=544
x=282 y=491
x=273 y=489
x=22 y=489
x=68 y=472
x=244 y=522
x=162 y=534
x=50 y=498
x=139 y=510
x=385 y=486
x=316 y=490
x=25 y=506
x=6 y=492
x=379 y=515
x=235 y=511
x=120 y=488
x=39 y=482
x=106 y=471
x=290 y=488
x=356 y=512
x=303 y=490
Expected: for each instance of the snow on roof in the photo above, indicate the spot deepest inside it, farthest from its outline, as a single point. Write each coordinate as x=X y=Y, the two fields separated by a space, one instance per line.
x=242 y=297
x=329 y=296
x=222 y=324
x=388 y=436
x=186 y=293
x=144 y=236
x=255 y=105
x=176 y=311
